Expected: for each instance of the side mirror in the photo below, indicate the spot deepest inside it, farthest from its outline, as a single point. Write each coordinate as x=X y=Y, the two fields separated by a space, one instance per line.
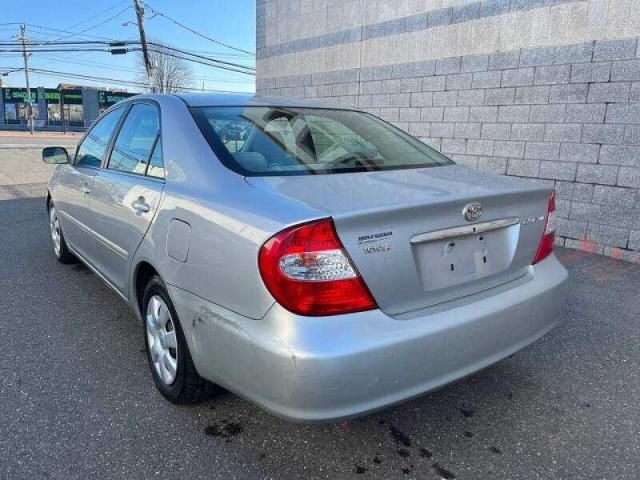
x=55 y=155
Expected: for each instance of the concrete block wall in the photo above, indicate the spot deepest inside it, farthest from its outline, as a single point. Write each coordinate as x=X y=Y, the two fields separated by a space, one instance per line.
x=548 y=91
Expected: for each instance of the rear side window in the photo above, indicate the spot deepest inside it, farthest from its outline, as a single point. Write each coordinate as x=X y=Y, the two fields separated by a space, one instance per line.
x=135 y=141
x=92 y=149
x=260 y=141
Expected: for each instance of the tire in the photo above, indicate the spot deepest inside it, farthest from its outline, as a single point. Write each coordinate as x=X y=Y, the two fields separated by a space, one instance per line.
x=60 y=249
x=168 y=354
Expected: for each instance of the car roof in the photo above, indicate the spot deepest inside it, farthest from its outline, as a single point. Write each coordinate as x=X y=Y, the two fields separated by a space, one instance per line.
x=244 y=99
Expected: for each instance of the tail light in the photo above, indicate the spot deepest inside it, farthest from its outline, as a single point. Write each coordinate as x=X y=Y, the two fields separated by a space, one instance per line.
x=549 y=236
x=308 y=272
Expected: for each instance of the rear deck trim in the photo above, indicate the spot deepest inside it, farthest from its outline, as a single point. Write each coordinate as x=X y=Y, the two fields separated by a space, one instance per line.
x=465 y=230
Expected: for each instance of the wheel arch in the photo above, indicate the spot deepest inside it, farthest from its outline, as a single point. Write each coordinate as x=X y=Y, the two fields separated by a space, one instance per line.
x=143 y=272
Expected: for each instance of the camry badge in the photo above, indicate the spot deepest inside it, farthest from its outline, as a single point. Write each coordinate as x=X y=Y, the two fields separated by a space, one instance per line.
x=472 y=211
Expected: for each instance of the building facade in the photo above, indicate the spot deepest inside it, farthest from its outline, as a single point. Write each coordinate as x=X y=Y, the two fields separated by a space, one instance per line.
x=68 y=107
x=543 y=89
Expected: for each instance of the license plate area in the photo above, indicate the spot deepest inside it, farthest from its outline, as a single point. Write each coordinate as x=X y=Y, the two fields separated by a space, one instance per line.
x=471 y=256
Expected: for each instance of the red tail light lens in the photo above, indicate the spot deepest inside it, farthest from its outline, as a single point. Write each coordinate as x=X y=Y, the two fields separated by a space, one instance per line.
x=308 y=272
x=549 y=235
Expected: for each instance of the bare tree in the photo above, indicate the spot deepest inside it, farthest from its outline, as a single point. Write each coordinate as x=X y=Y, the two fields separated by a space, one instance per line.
x=170 y=74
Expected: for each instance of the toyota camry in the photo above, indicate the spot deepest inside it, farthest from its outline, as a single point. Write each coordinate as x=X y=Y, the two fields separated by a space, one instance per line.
x=316 y=261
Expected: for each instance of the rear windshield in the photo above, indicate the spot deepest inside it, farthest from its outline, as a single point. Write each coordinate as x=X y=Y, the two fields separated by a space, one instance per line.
x=261 y=141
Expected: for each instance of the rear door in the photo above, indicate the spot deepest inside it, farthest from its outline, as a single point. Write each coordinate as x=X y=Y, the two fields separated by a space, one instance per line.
x=126 y=193
x=76 y=184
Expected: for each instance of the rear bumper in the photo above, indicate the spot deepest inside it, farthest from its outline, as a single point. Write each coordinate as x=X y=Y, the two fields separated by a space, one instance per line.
x=328 y=368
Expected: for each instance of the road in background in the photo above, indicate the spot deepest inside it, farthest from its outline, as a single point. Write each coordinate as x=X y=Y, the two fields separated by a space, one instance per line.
x=9 y=140
x=78 y=401
x=20 y=156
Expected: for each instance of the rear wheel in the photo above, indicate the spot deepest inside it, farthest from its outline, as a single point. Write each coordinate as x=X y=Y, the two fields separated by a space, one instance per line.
x=60 y=249
x=169 y=359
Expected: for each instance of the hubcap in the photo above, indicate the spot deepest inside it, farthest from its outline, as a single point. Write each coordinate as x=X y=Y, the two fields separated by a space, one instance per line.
x=161 y=339
x=54 y=225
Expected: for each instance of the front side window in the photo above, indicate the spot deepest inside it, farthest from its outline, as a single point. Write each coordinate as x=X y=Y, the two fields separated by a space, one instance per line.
x=136 y=139
x=259 y=141
x=92 y=149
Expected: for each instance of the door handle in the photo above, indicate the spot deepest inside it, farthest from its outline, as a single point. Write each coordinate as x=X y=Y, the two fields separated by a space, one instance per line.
x=140 y=205
x=85 y=189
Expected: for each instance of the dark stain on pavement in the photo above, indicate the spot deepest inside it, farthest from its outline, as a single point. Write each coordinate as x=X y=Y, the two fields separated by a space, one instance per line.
x=223 y=429
x=495 y=450
x=424 y=453
x=360 y=469
x=443 y=472
x=467 y=412
x=399 y=436
x=404 y=453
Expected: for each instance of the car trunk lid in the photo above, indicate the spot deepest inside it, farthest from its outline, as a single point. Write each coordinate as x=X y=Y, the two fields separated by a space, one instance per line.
x=407 y=235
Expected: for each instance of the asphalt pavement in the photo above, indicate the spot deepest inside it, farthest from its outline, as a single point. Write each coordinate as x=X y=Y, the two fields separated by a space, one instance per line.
x=21 y=159
x=78 y=401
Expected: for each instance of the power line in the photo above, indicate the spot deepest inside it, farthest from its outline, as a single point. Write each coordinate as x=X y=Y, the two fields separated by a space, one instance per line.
x=60 y=50
x=124 y=69
x=112 y=7
x=195 y=32
x=164 y=51
x=186 y=52
x=134 y=83
x=222 y=67
x=94 y=26
x=51 y=29
x=36 y=43
x=35 y=47
x=87 y=63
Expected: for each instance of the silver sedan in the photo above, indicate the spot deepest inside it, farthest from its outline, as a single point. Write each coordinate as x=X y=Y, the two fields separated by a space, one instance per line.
x=317 y=261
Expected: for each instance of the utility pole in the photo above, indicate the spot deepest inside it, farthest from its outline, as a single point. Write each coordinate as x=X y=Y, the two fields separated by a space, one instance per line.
x=23 y=38
x=143 y=40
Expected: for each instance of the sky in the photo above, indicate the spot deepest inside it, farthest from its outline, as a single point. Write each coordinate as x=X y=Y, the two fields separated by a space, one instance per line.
x=229 y=21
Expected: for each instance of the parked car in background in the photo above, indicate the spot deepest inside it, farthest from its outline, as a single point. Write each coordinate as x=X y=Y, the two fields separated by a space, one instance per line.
x=317 y=261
